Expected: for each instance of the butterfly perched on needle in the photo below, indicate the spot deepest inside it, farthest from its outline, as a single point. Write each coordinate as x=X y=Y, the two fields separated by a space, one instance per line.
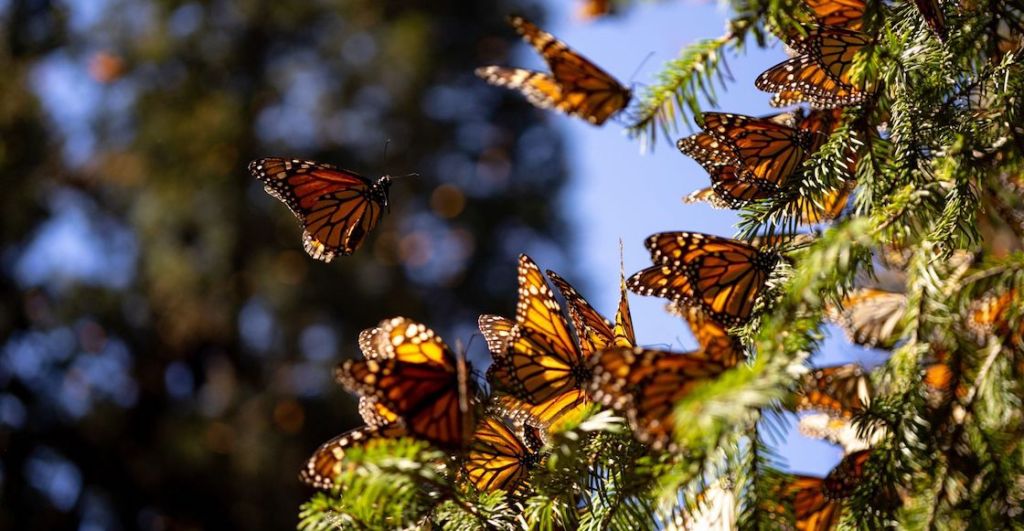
x=748 y=158
x=722 y=276
x=500 y=457
x=870 y=317
x=821 y=72
x=418 y=380
x=816 y=503
x=646 y=385
x=539 y=368
x=337 y=208
x=575 y=86
x=841 y=391
x=411 y=384
x=328 y=461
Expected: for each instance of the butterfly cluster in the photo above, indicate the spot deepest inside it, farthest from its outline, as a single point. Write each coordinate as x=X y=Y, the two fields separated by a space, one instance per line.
x=558 y=357
x=548 y=365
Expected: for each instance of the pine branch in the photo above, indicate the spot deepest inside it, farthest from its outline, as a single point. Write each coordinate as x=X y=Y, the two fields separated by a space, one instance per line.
x=683 y=84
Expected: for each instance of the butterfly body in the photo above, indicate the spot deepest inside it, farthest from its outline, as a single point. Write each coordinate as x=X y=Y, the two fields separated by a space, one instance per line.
x=575 y=86
x=337 y=208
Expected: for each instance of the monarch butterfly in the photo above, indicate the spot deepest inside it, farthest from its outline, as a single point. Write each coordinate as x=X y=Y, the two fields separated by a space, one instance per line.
x=337 y=208
x=870 y=317
x=848 y=14
x=770 y=150
x=575 y=86
x=931 y=12
x=538 y=361
x=816 y=502
x=811 y=509
x=991 y=315
x=417 y=378
x=722 y=276
x=646 y=384
x=747 y=158
x=594 y=331
x=844 y=478
x=841 y=391
x=712 y=338
x=327 y=461
x=591 y=9
x=838 y=431
x=820 y=75
x=498 y=458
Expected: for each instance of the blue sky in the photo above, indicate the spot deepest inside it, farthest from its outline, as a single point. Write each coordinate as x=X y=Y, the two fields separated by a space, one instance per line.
x=616 y=192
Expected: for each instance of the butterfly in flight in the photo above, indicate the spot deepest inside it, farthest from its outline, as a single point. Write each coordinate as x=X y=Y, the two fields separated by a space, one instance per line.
x=821 y=72
x=500 y=457
x=575 y=86
x=722 y=276
x=538 y=365
x=337 y=208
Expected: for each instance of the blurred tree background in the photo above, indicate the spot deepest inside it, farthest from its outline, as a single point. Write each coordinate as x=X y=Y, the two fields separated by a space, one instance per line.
x=166 y=344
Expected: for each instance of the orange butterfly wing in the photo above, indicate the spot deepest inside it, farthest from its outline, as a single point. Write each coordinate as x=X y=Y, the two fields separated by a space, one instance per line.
x=327 y=462
x=769 y=150
x=820 y=75
x=418 y=379
x=722 y=276
x=847 y=14
x=870 y=317
x=575 y=86
x=731 y=181
x=841 y=391
x=337 y=208
x=593 y=330
x=713 y=338
x=498 y=458
x=647 y=384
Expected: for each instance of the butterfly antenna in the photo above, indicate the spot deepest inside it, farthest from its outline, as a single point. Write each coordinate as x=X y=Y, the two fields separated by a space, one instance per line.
x=463 y=372
x=642 y=63
x=622 y=262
